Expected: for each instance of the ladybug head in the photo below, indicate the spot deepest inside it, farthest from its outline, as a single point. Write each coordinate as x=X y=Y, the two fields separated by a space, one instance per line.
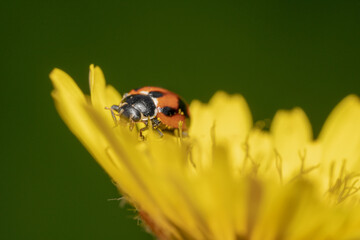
x=135 y=108
x=128 y=112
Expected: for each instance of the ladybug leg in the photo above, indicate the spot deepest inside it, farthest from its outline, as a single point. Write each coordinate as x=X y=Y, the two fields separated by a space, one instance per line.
x=160 y=132
x=146 y=128
x=132 y=125
x=141 y=132
x=155 y=123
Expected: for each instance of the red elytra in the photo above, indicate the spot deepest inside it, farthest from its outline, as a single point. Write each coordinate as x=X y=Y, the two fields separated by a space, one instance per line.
x=171 y=109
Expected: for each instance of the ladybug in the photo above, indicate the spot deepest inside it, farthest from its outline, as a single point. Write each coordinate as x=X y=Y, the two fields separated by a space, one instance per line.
x=164 y=108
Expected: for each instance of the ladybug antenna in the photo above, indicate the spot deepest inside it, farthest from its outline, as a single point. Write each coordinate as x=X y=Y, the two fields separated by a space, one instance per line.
x=112 y=109
x=120 y=113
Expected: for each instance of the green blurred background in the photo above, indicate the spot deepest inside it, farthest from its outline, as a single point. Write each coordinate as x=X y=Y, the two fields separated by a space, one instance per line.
x=278 y=55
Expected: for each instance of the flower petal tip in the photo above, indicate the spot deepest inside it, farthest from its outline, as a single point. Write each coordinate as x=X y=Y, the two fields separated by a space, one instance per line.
x=56 y=74
x=352 y=98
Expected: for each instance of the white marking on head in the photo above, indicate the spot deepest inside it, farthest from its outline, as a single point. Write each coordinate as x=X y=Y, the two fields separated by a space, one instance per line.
x=155 y=101
x=143 y=118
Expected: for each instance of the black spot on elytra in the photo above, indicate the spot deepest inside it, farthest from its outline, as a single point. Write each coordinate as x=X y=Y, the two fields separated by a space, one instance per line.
x=168 y=111
x=156 y=94
x=183 y=107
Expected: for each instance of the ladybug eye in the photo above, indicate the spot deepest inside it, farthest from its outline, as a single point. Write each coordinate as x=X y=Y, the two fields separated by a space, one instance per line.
x=156 y=94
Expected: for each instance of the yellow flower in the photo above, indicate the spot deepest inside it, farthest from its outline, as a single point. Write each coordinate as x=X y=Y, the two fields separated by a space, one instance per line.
x=229 y=179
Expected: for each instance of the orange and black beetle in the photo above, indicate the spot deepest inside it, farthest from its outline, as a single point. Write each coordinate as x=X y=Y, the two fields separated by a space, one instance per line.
x=164 y=108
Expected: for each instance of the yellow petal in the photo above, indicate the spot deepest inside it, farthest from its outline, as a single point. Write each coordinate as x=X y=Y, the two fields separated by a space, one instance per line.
x=231 y=115
x=226 y=119
x=97 y=87
x=64 y=84
x=340 y=135
x=291 y=131
x=259 y=152
x=112 y=96
x=221 y=182
x=202 y=123
x=99 y=137
x=102 y=95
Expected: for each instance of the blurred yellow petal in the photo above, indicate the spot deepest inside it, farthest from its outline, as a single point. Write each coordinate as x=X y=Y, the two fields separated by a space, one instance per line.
x=340 y=135
x=228 y=179
x=259 y=150
x=97 y=87
x=64 y=84
x=201 y=130
x=101 y=95
x=292 y=135
x=232 y=117
x=225 y=121
x=112 y=96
